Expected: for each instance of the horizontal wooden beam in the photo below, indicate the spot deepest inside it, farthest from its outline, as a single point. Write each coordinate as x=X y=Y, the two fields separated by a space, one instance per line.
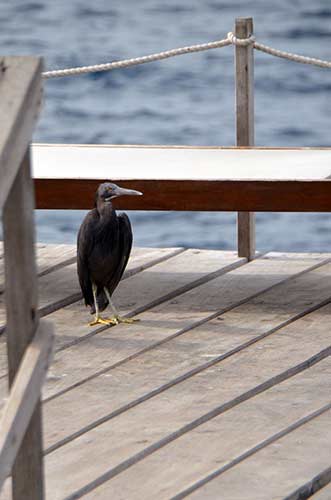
x=24 y=394
x=20 y=100
x=222 y=195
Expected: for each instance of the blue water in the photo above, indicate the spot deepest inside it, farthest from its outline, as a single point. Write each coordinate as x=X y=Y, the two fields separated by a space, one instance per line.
x=185 y=100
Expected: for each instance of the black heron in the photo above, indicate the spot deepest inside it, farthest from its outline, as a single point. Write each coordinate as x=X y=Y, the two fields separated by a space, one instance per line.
x=103 y=248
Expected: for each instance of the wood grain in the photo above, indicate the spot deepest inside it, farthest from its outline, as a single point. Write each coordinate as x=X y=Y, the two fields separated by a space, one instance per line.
x=191 y=351
x=64 y=281
x=24 y=394
x=304 y=449
x=188 y=405
x=21 y=89
x=269 y=416
x=322 y=494
x=244 y=73
x=22 y=320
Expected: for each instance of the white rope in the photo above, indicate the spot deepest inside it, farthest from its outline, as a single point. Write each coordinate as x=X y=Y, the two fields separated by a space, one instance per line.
x=292 y=57
x=242 y=42
x=231 y=39
x=137 y=60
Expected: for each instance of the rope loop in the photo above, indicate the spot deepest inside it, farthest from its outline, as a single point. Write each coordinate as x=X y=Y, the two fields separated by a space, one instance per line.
x=241 y=42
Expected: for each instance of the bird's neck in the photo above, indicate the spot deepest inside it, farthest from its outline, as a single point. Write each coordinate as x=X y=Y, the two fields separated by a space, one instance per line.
x=106 y=210
x=108 y=219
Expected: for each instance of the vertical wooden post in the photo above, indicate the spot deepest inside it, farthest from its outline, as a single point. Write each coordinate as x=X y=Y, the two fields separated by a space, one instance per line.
x=22 y=320
x=245 y=124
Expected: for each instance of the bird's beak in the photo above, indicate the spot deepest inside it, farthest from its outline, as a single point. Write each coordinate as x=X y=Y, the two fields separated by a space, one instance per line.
x=125 y=192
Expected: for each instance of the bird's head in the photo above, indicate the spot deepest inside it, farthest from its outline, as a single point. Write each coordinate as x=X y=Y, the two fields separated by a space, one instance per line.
x=108 y=191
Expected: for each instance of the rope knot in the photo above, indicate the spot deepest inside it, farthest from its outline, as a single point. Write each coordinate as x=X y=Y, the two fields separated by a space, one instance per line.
x=241 y=42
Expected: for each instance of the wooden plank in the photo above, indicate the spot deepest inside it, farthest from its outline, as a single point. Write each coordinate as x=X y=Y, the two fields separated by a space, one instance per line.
x=322 y=494
x=244 y=74
x=281 y=467
x=176 y=315
x=21 y=93
x=225 y=442
x=109 y=449
x=160 y=283
x=155 y=284
x=49 y=258
x=244 y=83
x=193 y=349
x=22 y=319
x=24 y=394
x=187 y=178
x=258 y=196
x=52 y=287
x=246 y=234
x=63 y=288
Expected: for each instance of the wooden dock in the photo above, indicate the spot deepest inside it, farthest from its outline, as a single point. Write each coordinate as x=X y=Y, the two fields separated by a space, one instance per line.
x=221 y=390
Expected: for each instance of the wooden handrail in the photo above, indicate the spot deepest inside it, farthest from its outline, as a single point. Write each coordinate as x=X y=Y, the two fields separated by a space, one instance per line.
x=21 y=94
x=23 y=396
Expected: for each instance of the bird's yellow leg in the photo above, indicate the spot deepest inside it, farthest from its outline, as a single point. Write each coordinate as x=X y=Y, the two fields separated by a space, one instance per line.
x=116 y=317
x=98 y=320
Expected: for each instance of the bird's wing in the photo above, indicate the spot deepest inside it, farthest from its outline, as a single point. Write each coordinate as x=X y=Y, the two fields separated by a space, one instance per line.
x=125 y=245
x=85 y=241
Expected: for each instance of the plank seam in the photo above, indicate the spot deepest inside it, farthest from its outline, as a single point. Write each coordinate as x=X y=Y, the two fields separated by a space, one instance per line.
x=171 y=295
x=311 y=487
x=180 y=332
x=56 y=267
x=149 y=450
x=155 y=392
x=260 y=446
x=44 y=311
x=239 y=263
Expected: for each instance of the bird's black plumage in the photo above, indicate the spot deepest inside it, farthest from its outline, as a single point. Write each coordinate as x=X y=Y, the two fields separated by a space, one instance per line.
x=103 y=246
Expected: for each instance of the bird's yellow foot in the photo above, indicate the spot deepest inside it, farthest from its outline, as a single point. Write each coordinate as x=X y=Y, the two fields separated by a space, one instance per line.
x=119 y=319
x=101 y=321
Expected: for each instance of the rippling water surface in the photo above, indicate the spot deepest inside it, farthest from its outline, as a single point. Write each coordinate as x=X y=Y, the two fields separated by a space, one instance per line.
x=185 y=100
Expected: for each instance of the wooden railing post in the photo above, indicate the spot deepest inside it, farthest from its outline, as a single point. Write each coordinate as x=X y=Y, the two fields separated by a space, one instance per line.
x=245 y=124
x=22 y=320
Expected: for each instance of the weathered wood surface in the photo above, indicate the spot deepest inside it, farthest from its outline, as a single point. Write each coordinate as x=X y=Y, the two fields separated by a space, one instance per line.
x=21 y=93
x=157 y=284
x=62 y=288
x=24 y=394
x=244 y=79
x=49 y=258
x=181 y=310
x=323 y=493
x=75 y=324
x=21 y=301
x=189 y=350
x=224 y=366
x=106 y=450
x=226 y=439
x=292 y=458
